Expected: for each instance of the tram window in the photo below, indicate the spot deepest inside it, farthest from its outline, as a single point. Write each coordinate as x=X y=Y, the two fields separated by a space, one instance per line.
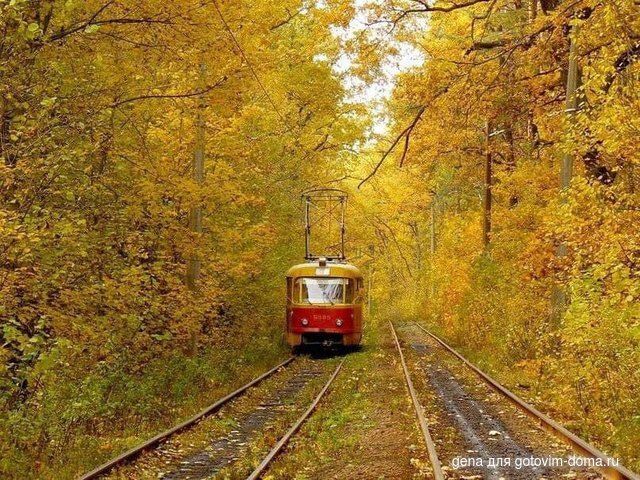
x=358 y=292
x=289 y=289
x=319 y=291
x=349 y=291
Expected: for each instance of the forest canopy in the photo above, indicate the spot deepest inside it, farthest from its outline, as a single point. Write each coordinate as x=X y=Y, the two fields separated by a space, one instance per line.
x=494 y=194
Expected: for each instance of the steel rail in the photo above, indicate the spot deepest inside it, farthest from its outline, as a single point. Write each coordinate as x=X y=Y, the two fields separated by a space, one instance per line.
x=431 y=447
x=259 y=470
x=611 y=471
x=214 y=407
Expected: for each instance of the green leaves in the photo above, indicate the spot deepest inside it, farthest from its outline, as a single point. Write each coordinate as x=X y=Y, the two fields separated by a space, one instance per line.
x=48 y=102
x=32 y=31
x=92 y=28
x=165 y=336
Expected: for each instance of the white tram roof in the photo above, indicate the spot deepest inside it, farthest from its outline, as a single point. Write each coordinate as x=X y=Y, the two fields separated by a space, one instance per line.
x=331 y=269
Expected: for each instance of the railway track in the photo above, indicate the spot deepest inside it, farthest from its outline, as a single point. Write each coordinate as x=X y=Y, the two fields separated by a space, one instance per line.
x=460 y=406
x=260 y=469
x=422 y=420
x=207 y=462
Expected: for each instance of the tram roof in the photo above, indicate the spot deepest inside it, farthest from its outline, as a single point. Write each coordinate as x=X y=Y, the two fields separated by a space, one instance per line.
x=345 y=270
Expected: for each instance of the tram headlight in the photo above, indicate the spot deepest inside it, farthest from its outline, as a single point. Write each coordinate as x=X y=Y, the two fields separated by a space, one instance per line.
x=304 y=321
x=339 y=322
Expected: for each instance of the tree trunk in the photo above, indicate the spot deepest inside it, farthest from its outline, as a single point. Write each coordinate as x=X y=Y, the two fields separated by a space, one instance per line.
x=487 y=198
x=533 y=10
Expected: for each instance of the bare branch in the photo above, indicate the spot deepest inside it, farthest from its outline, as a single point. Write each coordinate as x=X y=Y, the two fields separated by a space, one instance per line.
x=487 y=45
x=443 y=8
x=397 y=245
x=407 y=135
x=195 y=93
x=290 y=16
x=403 y=134
x=426 y=8
x=525 y=42
x=624 y=60
x=93 y=20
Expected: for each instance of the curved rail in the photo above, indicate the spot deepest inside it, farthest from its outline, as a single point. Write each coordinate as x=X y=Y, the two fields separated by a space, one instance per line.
x=135 y=451
x=431 y=447
x=259 y=470
x=611 y=471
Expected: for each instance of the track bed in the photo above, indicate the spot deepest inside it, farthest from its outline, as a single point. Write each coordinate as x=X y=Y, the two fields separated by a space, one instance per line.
x=473 y=427
x=403 y=407
x=231 y=442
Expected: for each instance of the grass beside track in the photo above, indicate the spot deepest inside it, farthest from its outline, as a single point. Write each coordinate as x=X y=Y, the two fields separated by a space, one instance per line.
x=161 y=395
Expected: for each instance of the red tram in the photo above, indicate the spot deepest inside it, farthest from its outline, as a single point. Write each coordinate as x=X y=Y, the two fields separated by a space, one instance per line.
x=324 y=295
x=324 y=304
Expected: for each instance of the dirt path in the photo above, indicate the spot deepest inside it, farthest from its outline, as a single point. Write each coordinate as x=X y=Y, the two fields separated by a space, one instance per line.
x=366 y=429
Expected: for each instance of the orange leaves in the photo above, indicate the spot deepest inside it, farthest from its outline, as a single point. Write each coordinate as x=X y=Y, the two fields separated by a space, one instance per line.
x=499 y=65
x=97 y=135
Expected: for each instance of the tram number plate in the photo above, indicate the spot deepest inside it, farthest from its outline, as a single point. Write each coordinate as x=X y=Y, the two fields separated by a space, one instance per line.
x=321 y=317
x=323 y=271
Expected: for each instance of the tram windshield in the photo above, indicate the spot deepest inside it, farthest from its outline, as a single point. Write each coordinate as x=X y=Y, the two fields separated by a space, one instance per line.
x=322 y=291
